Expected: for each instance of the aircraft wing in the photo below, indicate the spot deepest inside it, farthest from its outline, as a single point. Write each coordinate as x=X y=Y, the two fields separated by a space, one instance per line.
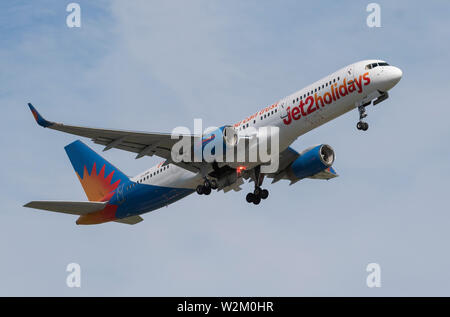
x=142 y=143
x=286 y=158
x=160 y=144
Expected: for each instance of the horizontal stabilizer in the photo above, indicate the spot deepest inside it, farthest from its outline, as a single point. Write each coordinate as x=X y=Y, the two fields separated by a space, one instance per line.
x=68 y=207
x=130 y=220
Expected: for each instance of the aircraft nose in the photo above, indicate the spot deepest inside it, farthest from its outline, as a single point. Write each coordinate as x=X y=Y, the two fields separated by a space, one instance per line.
x=391 y=76
x=396 y=75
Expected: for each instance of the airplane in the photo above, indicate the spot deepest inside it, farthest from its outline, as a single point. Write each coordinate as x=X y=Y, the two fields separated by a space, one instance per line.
x=116 y=197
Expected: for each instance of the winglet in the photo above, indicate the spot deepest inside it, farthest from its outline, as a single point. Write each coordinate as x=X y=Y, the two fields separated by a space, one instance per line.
x=39 y=119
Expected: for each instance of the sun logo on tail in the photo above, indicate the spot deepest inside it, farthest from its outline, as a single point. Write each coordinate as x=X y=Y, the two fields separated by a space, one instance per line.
x=97 y=186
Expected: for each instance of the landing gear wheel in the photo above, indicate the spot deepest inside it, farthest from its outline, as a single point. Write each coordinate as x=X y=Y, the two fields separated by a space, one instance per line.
x=206 y=190
x=362 y=126
x=264 y=194
x=258 y=192
x=199 y=189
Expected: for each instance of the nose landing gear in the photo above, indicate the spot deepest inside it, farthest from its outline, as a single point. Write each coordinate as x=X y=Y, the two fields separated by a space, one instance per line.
x=361 y=125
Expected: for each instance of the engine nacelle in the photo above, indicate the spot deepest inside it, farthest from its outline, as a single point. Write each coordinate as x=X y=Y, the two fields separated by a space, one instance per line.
x=226 y=144
x=230 y=136
x=312 y=161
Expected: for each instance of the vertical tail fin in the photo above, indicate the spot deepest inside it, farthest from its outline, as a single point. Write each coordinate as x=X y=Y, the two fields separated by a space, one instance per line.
x=97 y=176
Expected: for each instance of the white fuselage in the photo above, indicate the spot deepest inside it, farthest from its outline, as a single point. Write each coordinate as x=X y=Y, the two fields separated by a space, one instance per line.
x=298 y=113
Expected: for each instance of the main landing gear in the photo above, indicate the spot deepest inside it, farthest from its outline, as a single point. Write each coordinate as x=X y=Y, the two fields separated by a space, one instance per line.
x=259 y=193
x=207 y=186
x=361 y=125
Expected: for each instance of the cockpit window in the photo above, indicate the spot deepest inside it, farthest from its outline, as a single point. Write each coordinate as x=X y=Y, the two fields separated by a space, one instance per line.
x=373 y=65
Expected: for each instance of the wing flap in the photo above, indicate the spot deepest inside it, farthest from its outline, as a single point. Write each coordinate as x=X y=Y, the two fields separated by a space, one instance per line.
x=327 y=174
x=67 y=207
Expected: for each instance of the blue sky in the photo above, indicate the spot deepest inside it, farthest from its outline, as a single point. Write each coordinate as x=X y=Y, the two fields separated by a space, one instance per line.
x=152 y=66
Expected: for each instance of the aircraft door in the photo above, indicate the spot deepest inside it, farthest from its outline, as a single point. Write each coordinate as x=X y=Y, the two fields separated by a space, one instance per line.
x=349 y=73
x=282 y=108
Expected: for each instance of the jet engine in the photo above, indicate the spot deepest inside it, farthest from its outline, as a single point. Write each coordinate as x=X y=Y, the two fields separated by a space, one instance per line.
x=230 y=136
x=312 y=161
